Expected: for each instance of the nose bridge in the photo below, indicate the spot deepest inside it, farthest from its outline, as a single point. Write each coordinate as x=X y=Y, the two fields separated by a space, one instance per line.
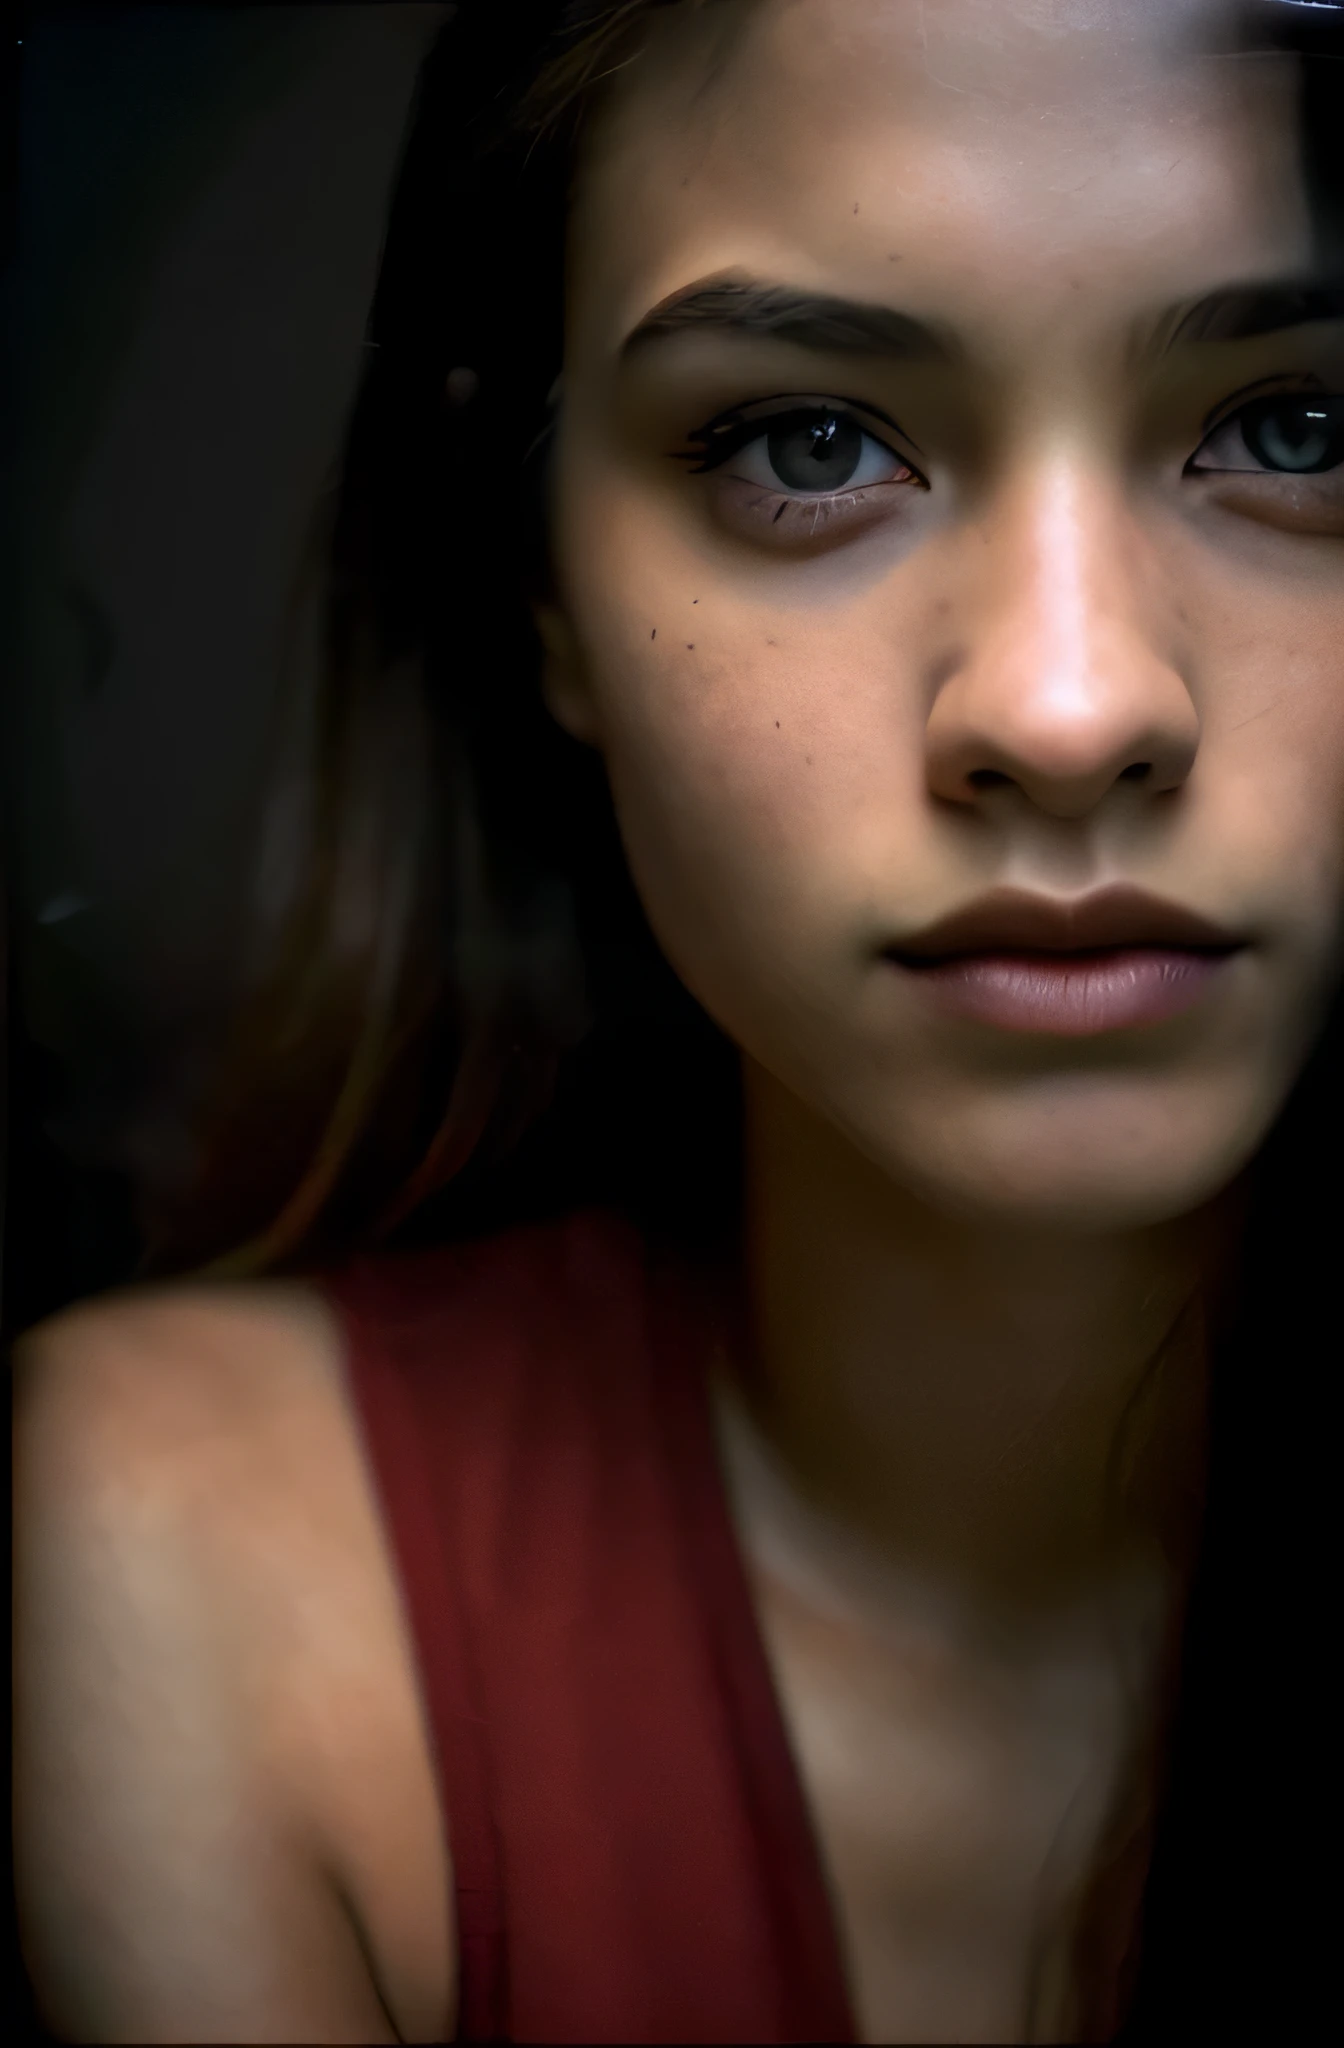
x=1063 y=584
x=1065 y=604
x=1063 y=683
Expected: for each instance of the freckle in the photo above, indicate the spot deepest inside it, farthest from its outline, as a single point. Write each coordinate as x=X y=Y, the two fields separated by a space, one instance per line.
x=809 y=760
x=776 y=725
x=856 y=206
x=695 y=600
x=893 y=259
x=689 y=645
x=772 y=643
x=654 y=634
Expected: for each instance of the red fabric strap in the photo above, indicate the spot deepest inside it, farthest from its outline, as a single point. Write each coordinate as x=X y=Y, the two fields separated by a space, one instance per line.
x=633 y=1854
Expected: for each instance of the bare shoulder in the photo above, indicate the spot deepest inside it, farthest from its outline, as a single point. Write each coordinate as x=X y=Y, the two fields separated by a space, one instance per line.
x=225 y=1807
x=172 y=1358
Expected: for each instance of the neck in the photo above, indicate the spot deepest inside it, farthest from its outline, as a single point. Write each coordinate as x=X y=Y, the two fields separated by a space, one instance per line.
x=1006 y=1420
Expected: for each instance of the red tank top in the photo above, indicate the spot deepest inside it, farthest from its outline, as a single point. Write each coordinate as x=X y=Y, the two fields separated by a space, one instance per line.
x=633 y=1855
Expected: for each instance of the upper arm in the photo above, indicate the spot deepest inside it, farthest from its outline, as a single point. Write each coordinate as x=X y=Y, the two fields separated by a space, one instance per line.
x=168 y=1888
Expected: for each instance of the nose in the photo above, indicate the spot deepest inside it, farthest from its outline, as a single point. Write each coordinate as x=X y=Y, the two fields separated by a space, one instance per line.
x=1064 y=682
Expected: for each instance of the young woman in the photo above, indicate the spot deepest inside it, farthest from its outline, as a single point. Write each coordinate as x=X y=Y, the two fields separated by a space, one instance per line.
x=826 y=859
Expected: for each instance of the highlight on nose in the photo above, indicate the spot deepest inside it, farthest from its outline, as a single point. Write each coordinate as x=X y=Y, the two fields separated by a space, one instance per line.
x=1004 y=723
x=1067 y=683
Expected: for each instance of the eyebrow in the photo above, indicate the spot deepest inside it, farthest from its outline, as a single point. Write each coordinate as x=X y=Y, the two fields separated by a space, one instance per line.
x=834 y=326
x=1243 y=312
x=777 y=312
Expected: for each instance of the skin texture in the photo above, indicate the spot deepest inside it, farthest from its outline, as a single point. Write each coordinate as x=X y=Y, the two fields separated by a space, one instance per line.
x=826 y=729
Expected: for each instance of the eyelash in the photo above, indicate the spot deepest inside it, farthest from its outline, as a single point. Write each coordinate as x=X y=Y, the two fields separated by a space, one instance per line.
x=1327 y=406
x=720 y=439
x=723 y=438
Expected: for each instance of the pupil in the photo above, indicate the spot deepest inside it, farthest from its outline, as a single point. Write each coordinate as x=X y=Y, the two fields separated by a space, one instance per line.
x=815 y=454
x=1299 y=437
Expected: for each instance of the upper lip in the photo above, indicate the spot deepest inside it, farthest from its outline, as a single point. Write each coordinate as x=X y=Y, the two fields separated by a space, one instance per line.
x=1014 y=919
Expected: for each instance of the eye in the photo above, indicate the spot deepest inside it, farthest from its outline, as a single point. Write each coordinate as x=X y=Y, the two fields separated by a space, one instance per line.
x=808 y=451
x=818 y=453
x=1297 y=434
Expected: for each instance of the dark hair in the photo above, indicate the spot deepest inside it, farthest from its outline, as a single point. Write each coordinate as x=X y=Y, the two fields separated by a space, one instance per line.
x=454 y=991
x=459 y=1016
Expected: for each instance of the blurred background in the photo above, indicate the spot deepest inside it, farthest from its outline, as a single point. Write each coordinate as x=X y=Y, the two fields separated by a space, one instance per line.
x=198 y=197
x=200 y=203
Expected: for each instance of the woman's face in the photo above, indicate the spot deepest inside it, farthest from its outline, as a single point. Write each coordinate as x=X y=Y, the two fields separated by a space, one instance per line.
x=1024 y=569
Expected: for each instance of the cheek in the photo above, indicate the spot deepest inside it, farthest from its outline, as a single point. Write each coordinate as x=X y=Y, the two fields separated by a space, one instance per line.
x=720 y=778
x=746 y=738
x=763 y=781
x=1273 y=717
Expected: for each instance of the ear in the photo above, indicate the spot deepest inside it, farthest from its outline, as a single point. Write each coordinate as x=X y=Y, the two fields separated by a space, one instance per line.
x=564 y=681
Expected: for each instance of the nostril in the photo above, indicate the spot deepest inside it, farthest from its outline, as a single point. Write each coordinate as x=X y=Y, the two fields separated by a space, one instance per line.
x=1136 y=771
x=986 y=778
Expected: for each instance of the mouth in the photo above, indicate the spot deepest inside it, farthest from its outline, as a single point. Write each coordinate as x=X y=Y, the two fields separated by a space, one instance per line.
x=1067 y=968
x=1071 y=995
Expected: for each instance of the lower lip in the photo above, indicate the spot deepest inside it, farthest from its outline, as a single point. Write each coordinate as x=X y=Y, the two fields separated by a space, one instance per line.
x=1069 y=995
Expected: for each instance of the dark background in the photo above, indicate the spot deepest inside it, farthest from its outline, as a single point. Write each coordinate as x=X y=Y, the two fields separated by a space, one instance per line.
x=196 y=204
x=201 y=193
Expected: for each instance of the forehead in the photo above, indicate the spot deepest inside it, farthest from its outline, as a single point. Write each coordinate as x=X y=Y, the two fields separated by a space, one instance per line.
x=1133 y=150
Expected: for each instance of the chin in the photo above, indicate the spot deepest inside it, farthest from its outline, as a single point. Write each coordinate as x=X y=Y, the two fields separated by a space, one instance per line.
x=1081 y=1162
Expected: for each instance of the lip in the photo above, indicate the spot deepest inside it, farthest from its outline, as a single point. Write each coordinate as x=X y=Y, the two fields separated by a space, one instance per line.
x=1014 y=920
x=1069 y=968
x=1070 y=995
